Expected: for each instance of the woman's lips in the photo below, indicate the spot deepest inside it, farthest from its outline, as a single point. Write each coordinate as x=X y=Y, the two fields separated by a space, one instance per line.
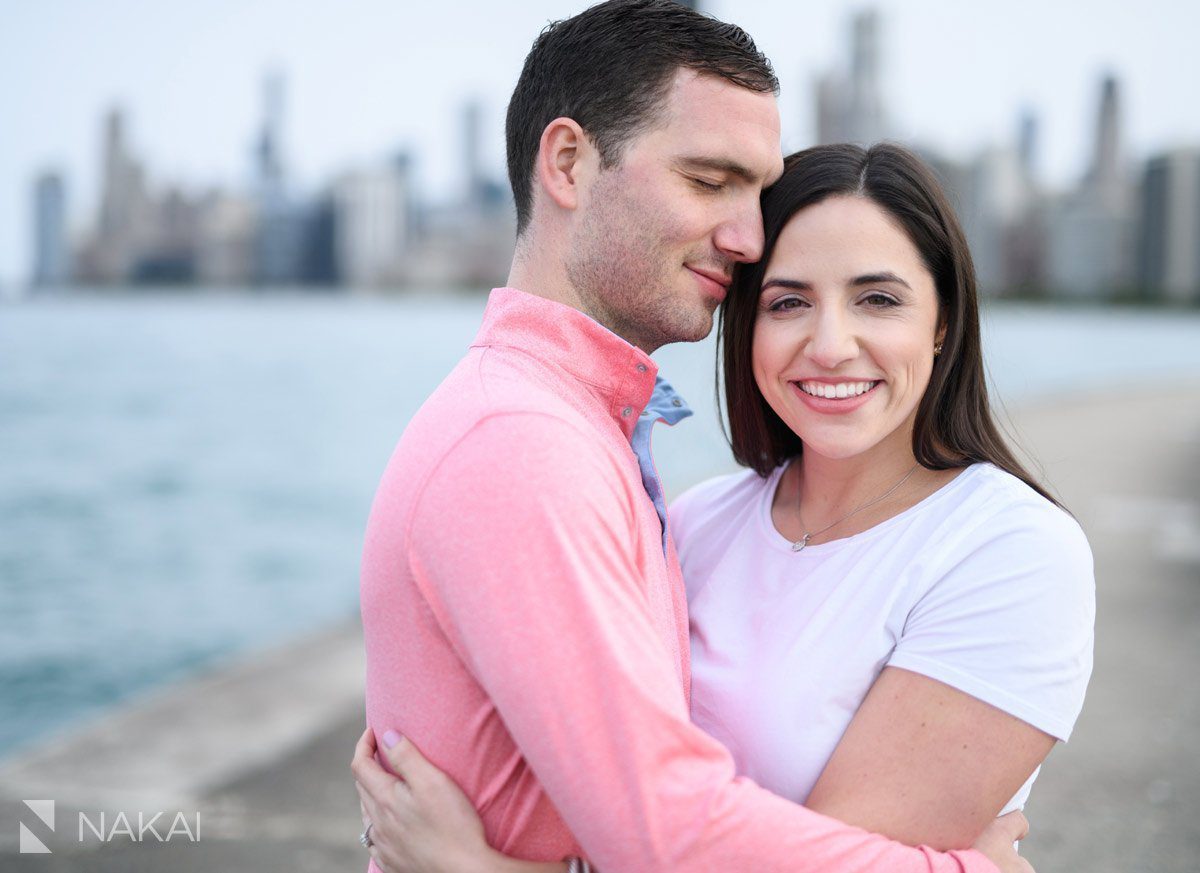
x=854 y=394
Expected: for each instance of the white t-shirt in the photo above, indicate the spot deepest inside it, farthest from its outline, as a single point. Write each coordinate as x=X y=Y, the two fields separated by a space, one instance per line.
x=984 y=585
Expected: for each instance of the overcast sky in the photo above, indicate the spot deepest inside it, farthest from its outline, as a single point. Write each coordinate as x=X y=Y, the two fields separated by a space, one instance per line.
x=367 y=77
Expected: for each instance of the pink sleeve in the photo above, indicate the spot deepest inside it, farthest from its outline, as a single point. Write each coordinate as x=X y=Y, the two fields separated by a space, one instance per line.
x=527 y=563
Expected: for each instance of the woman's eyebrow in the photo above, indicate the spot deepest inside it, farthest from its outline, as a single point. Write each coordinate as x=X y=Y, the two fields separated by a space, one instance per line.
x=876 y=278
x=857 y=281
x=794 y=284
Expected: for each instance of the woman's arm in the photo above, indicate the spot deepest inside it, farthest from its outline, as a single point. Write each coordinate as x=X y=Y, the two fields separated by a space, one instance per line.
x=927 y=764
x=423 y=823
x=990 y=669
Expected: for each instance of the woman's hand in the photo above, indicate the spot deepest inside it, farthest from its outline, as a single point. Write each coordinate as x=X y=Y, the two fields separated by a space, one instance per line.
x=422 y=822
x=997 y=840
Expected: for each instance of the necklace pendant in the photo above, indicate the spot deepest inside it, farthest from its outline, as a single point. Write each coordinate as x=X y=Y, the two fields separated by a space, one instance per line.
x=798 y=545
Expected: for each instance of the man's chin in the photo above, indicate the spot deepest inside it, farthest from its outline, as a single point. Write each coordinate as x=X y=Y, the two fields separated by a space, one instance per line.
x=693 y=330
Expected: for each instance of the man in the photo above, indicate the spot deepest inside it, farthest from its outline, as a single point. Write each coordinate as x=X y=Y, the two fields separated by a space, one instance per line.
x=524 y=613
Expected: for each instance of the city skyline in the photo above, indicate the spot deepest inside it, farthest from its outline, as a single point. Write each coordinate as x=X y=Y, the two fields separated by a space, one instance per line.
x=226 y=158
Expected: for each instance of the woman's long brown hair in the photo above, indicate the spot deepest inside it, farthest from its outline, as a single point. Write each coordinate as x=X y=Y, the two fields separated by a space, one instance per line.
x=954 y=426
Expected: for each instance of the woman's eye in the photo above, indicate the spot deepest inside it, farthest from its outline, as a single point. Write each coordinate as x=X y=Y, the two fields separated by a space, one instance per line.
x=785 y=304
x=880 y=300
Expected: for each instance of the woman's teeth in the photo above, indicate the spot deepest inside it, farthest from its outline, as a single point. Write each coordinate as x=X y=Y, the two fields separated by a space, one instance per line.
x=838 y=391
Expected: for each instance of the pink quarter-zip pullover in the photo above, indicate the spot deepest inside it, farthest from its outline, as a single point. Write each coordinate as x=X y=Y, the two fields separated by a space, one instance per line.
x=526 y=630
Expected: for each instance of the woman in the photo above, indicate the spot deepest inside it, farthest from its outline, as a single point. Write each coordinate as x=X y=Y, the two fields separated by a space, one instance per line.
x=885 y=604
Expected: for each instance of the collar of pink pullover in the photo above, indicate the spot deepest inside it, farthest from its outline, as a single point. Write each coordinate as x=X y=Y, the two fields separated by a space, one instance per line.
x=618 y=373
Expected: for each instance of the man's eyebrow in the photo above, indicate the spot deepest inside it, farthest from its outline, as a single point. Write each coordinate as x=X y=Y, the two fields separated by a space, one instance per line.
x=720 y=165
x=877 y=278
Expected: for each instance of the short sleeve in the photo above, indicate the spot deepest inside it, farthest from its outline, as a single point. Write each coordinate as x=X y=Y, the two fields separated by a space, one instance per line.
x=1010 y=617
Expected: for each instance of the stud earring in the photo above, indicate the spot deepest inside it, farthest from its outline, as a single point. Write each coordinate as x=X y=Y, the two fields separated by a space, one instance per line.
x=937 y=350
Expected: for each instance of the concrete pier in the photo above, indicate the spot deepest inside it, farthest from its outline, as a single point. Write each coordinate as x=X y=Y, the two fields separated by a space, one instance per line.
x=1124 y=795
x=260 y=749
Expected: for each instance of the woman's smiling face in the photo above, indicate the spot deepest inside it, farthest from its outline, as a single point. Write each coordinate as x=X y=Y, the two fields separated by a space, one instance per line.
x=845 y=331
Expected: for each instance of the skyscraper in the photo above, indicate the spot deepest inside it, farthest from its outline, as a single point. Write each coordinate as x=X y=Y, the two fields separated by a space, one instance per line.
x=850 y=101
x=1106 y=172
x=1027 y=143
x=268 y=154
x=1025 y=255
x=122 y=216
x=866 y=102
x=225 y=253
x=472 y=136
x=51 y=261
x=1169 y=241
x=997 y=206
x=371 y=233
x=280 y=239
x=1091 y=241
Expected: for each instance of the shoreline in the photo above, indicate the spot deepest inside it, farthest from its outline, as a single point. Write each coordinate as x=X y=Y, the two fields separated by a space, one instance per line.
x=262 y=745
x=239 y=716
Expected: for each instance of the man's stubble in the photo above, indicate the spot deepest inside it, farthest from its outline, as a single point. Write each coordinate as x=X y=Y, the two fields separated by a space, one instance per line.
x=626 y=274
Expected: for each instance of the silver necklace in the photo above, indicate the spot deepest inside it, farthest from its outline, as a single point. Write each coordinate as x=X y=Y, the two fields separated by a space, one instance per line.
x=799 y=544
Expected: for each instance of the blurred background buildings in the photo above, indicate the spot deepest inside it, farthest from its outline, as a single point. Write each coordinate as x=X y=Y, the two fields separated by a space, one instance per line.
x=1128 y=230
x=365 y=228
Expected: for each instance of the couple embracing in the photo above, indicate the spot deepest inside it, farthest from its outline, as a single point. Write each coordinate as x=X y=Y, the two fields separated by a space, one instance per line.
x=852 y=656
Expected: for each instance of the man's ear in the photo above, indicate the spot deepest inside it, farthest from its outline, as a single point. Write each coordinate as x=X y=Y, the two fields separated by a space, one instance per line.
x=565 y=156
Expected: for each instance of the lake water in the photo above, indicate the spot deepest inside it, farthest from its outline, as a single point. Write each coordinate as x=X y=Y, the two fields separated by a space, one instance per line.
x=187 y=478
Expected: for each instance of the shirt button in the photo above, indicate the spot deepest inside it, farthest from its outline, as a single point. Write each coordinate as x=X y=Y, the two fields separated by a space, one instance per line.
x=641 y=368
x=677 y=402
x=627 y=411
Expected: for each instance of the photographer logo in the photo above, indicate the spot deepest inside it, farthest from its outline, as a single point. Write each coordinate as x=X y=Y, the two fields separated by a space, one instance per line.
x=140 y=827
x=31 y=843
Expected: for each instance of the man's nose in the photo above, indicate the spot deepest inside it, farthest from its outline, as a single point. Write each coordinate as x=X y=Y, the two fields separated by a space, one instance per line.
x=740 y=236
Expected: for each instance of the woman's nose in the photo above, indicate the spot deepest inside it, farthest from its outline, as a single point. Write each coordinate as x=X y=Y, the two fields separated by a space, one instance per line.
x=833 y=341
